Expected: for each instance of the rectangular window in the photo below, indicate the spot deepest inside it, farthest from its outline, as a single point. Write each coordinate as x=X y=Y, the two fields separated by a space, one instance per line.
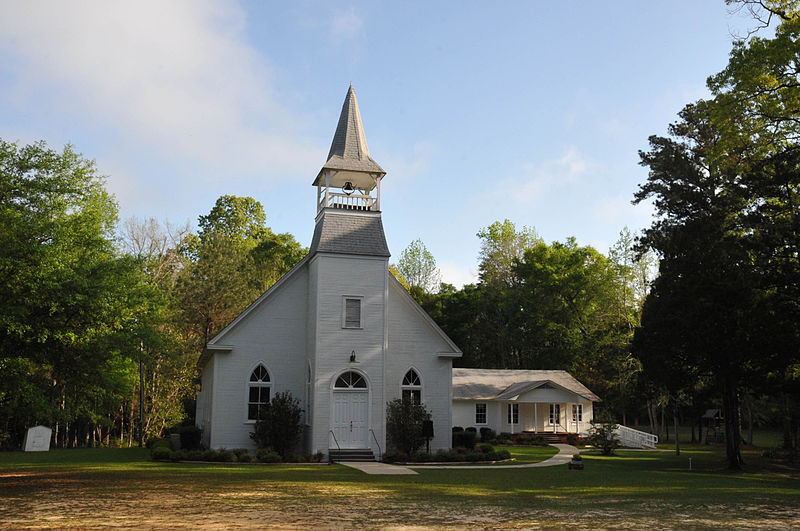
x=352 y=313
x=577 y=412
x=414 y=395
x=555 y=413
x=257 y=399
x=513 y=413
x=480 y=413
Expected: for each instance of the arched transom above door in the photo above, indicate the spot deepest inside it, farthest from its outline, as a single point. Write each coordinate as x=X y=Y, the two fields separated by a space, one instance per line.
x=350 y=380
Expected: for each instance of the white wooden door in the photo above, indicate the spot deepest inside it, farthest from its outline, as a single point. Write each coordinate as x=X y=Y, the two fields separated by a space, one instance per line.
x=350 y=419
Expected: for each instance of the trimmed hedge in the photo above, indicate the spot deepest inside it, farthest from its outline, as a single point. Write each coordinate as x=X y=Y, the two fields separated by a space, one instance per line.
x=486 y=453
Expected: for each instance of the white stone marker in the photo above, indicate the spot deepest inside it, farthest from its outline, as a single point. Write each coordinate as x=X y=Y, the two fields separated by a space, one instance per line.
x=37 y=439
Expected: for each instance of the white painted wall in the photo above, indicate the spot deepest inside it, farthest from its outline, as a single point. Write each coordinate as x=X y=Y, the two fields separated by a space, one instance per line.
x=415 y=342
x=497 y=416
x=273 y=333
x=337 y=276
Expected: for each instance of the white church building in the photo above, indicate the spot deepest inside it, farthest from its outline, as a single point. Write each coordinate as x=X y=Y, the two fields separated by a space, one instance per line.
x=337 y=331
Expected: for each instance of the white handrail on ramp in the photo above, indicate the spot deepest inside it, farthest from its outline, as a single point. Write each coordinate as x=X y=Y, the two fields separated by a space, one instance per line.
x=635 y=438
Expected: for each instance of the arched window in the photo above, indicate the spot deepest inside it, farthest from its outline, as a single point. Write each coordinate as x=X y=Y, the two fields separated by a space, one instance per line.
x=411 y=387
x=258 y=391
x=350 y=380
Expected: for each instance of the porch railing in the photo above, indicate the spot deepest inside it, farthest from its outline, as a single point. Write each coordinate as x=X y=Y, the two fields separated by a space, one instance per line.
x=351 y=202
x=634 y=438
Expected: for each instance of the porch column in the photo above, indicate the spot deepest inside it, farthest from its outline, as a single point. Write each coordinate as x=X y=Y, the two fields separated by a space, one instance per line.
x=535 y=418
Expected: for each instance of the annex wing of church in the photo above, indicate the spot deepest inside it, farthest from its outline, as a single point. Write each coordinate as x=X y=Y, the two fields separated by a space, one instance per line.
x=337 y=331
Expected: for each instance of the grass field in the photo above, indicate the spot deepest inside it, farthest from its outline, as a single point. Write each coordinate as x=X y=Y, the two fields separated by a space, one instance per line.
x=122 y=488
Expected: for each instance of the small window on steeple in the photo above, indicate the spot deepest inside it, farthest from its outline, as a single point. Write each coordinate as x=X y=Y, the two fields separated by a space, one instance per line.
x=351 y=314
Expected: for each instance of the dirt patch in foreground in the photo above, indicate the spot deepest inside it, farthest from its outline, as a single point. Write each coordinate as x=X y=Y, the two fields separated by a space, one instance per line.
x=44 y=501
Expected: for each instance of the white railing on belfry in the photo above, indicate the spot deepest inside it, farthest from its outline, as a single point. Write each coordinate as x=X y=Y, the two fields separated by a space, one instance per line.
x=635 y=438
x=352 y=202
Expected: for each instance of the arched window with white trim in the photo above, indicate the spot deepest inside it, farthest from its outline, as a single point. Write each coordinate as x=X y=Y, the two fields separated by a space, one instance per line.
x=258 y=389
x=350 y=380
x=411 y=387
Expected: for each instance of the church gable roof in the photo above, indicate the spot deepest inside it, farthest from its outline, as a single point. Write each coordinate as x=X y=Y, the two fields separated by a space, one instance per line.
x=347 y=232
x=397 y=288
x=216 y=343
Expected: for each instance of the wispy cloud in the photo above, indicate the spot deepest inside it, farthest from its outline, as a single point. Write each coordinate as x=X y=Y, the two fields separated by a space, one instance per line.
x=539 y=179
x=177 y=77
x=345 y=25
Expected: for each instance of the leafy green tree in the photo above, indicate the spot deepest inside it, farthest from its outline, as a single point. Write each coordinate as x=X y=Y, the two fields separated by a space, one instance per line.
x=278 y=426
x=501 y=245
x=232 y=260
x=66 y=297
x=404 y=420
x=418 y=267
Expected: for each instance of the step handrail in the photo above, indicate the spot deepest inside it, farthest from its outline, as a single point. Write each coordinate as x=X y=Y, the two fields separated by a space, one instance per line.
x=380 y=452
x=635 y=438
x=330 y=459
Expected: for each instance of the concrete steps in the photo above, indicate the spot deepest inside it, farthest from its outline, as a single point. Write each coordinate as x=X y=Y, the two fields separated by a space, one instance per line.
x=359 y=454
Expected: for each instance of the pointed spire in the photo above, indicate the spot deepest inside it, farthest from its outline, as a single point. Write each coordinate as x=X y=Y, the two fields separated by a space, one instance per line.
x=349 y=151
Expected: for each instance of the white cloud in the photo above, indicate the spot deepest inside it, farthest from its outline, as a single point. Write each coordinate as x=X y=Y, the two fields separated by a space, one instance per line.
x=457 y=275
x=345 y=25
x=540 y=179
x=177 y=77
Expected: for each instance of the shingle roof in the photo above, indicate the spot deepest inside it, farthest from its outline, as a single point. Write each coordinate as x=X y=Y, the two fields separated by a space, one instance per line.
x=349 y=149
x=500 y=384
x=349 y=232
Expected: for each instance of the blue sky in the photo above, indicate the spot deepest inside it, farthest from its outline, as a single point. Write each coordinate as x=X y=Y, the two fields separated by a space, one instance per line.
x=532 y=111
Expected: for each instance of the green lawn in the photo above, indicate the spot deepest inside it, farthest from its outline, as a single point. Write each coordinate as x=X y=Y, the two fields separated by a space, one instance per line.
x=110 y=487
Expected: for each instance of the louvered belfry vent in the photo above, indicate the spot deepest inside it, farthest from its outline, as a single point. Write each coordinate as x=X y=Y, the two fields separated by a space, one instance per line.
x=352 y=313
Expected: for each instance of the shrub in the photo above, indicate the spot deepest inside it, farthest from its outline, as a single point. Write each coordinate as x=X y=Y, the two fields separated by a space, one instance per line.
x=266 y=455
x=472 y=429
x=278 y=425
x=469 y=439
x=247 y=458
x=504 y=438
x=158 y=442
x=239 y=452
x=457 y=428
x=395 y=457
x=224 y=456
x=190 y=437
x=602 y=436
x=160 y=453
x=485 y=448
x=179 y=455
x=404 y=420
x=488 y=435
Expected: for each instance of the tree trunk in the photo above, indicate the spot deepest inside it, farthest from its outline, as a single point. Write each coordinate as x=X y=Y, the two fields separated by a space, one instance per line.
x=675 y=422
x=733 y=436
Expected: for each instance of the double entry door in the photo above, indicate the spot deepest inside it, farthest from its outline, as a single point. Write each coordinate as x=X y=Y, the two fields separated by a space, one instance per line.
x=350 y=422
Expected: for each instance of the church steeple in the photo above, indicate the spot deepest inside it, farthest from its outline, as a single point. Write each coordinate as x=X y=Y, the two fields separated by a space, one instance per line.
x=349 y=192
x=349 y=165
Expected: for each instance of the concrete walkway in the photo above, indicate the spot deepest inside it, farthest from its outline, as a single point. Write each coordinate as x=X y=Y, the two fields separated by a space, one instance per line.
x=376 y=468
x=564 y=455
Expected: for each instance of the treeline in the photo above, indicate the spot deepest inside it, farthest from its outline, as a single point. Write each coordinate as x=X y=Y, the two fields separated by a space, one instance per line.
x=87 y=314
x=544 y=306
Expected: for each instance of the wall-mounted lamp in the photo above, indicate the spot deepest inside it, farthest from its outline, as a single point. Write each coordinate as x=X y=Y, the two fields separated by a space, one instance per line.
x=353 y=357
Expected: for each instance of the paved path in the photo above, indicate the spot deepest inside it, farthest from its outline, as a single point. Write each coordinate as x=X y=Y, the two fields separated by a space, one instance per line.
x=374 y=467
x=564 y=455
